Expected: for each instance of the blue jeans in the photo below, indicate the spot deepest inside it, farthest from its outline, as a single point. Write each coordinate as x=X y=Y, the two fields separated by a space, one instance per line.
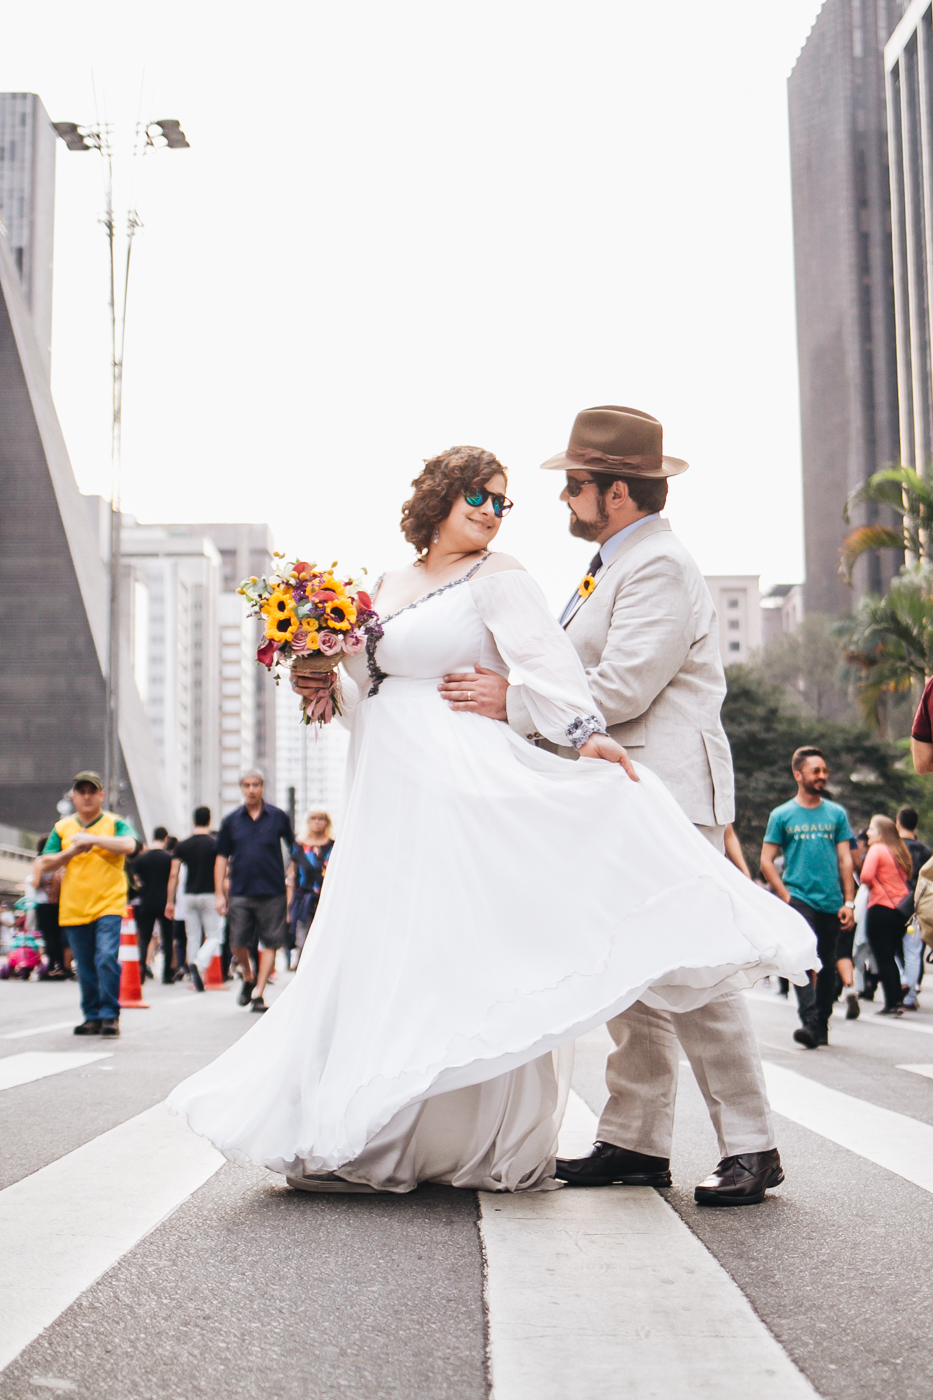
x=96 y=949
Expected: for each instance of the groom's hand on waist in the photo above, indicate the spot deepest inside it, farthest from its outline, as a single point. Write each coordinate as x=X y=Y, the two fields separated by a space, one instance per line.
x=481 y=692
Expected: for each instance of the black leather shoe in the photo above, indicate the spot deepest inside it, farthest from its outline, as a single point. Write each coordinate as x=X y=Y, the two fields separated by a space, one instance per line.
x=87 y=1028
x=110 y=1027
x=821 y=1031
x=807 y=1036
x=246 y=992
x=608 y=1165
x=742 y=1180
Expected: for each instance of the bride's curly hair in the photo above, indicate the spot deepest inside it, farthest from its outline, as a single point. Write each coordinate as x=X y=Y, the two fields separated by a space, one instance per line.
x=445 y=477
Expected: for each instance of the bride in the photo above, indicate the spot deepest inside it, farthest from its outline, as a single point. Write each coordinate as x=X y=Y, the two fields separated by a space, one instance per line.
x=486 y=903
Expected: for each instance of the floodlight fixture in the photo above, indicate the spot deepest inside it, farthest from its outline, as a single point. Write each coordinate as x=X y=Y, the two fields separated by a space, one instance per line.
x=74 y=136
x=171 y=130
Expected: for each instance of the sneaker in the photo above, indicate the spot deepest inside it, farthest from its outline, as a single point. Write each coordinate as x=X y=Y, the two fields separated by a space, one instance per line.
x=110 y=1027
x=257 y=1004
x=891 y=1011
x=87 y=1028
x=246 y=991
x=806 y=1035
x=911 y=1003
x=853 y=1010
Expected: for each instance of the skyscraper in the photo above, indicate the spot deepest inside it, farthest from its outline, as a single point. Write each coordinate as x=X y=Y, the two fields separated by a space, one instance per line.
x=845 y=287
x=27 y=202
x=54 y=613
x=908 y=56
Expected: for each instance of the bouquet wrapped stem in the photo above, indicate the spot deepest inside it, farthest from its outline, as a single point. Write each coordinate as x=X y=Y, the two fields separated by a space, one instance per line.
x=326 y=703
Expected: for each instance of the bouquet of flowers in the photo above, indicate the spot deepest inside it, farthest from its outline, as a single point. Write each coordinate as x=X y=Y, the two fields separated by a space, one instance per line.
x=311 y=619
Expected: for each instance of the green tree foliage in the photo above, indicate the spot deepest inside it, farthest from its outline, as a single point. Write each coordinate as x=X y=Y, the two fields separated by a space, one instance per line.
x=908 y=496
x=765 y=728
x=889 y=640
x=809 y=663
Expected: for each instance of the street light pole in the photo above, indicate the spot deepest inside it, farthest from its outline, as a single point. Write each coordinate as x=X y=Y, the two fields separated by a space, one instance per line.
x=87 y=139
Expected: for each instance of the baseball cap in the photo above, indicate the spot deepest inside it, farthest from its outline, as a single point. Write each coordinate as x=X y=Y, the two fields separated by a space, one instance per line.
x=87 y=775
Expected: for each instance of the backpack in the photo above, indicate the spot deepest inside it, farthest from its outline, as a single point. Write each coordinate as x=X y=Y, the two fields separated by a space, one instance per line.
x=923 y=903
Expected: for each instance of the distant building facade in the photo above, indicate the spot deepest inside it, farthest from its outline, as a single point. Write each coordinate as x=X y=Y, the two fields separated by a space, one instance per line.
x=54 y=620
x=845 y=284
x=27 y=203
x=781 y=611
x=311 y=763
x=908 y=57
x=736 y=599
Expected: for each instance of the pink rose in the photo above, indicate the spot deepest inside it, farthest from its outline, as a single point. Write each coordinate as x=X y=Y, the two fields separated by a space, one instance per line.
x=300 y=642
x=330 y=643
x=353 y=643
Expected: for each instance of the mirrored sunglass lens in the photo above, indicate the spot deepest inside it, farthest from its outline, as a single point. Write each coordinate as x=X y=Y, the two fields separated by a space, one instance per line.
x=474 y=498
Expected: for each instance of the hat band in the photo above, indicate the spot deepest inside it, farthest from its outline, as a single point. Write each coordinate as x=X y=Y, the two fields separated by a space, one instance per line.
x=588 y=456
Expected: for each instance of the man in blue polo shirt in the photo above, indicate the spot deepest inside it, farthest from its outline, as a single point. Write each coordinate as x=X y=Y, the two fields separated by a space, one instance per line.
x=250 y=840
x=814 y=835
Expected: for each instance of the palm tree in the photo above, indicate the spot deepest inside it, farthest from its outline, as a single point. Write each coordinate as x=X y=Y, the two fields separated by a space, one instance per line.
x=889 y=640
x=906 y=493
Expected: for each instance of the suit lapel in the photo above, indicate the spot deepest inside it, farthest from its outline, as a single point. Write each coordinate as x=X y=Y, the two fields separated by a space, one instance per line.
x=654 y=527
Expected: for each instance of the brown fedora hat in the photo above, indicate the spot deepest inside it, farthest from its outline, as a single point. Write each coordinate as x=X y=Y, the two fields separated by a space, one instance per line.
x=623 y=441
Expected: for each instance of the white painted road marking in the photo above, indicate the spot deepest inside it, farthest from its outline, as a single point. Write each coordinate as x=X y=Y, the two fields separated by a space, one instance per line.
x=65 y=1225
x=892 y=1140
x=925 y=1070
x=608 y=1291
x=40 y=1030
x=38 y=1064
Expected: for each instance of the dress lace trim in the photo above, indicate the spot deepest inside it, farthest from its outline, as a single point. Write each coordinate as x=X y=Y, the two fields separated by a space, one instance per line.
x=583 y=728
x=376 y=674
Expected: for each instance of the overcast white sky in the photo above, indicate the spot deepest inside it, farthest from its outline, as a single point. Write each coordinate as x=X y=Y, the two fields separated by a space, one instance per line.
x=406 y=226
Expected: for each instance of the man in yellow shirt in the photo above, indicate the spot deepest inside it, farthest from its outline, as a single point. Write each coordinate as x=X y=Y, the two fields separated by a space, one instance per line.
x=92 y=846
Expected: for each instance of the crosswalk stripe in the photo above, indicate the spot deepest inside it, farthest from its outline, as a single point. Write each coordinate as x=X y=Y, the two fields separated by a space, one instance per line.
x=925 y=1070
x=65 y=1225
x=600 y=1291
x=38 y=1064
x=40 y=1030
x=891 y=1140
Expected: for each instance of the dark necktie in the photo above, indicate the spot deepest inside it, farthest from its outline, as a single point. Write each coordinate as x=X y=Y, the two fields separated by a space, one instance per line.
x=595 y=565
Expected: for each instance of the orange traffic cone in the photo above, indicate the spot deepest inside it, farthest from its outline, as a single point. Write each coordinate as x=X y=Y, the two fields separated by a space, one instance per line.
x=131 y=988
x=214 y=977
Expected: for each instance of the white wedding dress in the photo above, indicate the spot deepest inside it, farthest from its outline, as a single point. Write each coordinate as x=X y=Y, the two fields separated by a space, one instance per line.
x=486 y=903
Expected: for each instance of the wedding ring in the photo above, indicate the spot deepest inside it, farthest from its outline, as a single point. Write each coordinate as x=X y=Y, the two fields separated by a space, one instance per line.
x=470 y=696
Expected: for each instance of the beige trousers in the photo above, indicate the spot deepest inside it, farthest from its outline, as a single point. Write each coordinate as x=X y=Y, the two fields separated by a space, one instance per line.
x=642 y=1072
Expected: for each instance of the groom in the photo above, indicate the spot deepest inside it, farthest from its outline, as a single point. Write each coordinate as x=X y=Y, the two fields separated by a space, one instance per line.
x=643 y=623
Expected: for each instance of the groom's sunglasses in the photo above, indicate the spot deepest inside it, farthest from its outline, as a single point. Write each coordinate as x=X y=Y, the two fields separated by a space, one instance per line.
x=575 y=486
x=501 y=505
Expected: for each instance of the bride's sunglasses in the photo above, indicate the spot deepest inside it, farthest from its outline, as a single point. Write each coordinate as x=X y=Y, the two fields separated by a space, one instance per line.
x=501 y=505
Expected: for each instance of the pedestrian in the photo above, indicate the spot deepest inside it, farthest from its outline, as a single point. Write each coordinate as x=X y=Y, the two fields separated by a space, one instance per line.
x=250 y=840
x=150 y=873
x=814 y=836
x=887 y=868
x=907 y=821
x=91 y=847
x=305 y=878
x=47 y=885
x=202 y=921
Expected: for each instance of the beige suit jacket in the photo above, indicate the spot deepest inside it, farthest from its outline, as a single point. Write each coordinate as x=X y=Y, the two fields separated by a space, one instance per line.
x=648 y=638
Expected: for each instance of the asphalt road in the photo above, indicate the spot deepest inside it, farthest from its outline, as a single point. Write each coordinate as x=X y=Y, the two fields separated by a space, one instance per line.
x=251 y=1289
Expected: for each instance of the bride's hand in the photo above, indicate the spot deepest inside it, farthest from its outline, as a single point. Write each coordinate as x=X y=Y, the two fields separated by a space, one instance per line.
x=308 y=684
x=601 y=746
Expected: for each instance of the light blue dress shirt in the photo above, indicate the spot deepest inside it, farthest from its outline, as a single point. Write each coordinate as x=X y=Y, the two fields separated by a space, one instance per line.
x=607 y=551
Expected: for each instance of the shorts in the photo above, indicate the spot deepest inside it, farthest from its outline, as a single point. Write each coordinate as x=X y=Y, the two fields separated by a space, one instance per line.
x=256 y=922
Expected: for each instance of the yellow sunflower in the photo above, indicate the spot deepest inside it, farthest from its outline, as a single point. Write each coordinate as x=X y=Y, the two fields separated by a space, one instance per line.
x=281 y=627
x=587 y=585
x=278 y=604
x=341 y=613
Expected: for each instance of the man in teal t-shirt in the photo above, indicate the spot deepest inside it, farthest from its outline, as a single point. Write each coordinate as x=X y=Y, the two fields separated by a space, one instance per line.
x=814 y=836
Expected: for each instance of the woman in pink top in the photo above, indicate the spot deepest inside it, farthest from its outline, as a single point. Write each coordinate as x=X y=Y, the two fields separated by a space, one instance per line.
x=886 y=870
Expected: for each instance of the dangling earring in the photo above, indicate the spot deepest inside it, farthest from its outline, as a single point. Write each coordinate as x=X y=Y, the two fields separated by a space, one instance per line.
x=436 y=537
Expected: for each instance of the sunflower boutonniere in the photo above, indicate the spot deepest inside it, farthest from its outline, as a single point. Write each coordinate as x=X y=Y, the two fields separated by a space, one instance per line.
x=587 y=584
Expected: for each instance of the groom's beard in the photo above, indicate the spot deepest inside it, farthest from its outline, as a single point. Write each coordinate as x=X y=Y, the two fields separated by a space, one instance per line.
x=590 y=529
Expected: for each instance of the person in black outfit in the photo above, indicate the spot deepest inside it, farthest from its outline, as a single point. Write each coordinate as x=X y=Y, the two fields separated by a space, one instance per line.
x=47 y=885
x=202 y=921
x=150 y=872
x=907 y=821
x=251 y=840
